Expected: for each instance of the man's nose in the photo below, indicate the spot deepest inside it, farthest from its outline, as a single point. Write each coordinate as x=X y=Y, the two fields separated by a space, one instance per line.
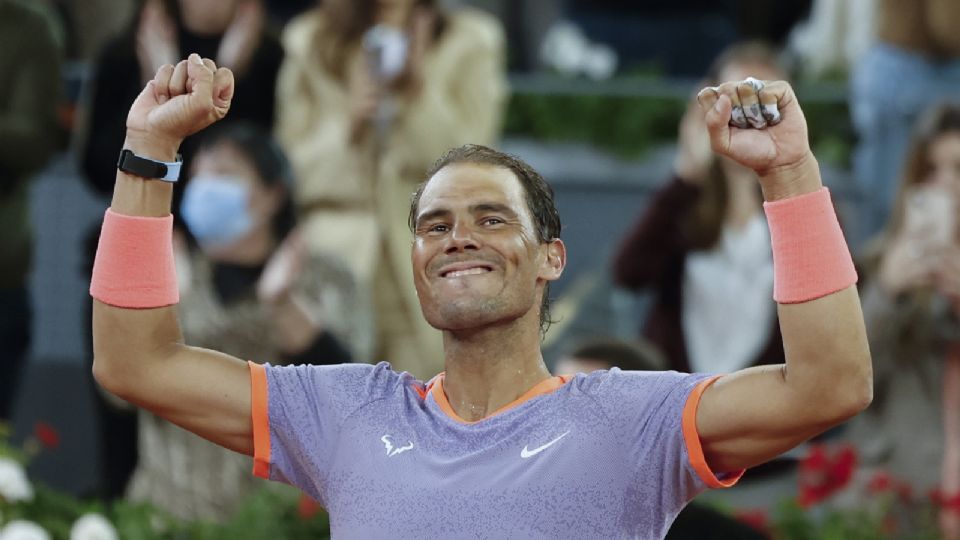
x=462 y=237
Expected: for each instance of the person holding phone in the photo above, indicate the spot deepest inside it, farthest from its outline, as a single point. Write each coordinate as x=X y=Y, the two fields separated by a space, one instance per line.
x=912 y=309
x=371 y=92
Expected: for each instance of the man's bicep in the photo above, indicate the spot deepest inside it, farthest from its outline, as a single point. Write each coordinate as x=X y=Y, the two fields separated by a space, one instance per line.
x=203 y=391
x=750 y=417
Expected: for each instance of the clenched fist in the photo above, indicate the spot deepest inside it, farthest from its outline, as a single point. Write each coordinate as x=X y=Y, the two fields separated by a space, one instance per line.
x=760 y=125
x=178 y=102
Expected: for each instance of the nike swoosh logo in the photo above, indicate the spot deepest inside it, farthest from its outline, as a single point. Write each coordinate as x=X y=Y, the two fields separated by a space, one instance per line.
x=525 y=453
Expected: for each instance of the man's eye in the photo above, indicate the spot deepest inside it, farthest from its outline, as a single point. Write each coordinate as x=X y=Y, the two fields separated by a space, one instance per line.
x=492 y=221
x=438 y=228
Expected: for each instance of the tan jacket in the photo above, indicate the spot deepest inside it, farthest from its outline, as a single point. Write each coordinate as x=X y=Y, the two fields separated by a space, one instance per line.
x=356 y=204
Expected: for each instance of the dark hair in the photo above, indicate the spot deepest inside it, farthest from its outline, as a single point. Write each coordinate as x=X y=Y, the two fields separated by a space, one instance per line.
x=539 y=197
x=626 y=355
x=267 y=158
x=345 y=22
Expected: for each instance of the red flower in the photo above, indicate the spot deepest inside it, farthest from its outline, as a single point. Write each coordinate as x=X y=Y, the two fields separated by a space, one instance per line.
x=905 y=491
x=822 y=475
x=880 y=482
x=756 y=518
x=307 y=508
x=47 y=435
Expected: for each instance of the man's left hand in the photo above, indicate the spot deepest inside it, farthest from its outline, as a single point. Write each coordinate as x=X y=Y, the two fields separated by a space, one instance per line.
x=759 y=125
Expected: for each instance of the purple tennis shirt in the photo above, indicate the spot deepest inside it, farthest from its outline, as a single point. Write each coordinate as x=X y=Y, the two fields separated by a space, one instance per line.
x=612 y=454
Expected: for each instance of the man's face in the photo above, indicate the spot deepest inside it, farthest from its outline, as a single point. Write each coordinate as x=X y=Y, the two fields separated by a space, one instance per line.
x=476 y=257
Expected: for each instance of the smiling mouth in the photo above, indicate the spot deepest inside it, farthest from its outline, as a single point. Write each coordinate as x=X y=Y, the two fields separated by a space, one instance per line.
x=476 y=270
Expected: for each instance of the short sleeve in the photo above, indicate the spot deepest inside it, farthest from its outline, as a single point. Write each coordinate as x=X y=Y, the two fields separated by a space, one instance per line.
x=298 y=412
x=655 y=415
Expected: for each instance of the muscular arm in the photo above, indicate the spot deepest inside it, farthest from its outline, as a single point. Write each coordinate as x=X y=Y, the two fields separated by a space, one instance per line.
x=753 y=415
x=139 y=354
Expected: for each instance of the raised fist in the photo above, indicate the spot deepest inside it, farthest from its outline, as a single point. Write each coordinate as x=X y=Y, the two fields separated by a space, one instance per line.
x=180 y=101
x=758 y=124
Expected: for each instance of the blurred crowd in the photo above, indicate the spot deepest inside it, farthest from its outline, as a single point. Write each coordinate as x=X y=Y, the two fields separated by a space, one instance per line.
x=292 y=241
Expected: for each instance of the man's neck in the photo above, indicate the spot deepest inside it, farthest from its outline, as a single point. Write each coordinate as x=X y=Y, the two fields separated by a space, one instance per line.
x=491 y=367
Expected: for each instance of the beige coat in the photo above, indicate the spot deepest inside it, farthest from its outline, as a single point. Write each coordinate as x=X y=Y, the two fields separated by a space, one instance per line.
x=356 y=204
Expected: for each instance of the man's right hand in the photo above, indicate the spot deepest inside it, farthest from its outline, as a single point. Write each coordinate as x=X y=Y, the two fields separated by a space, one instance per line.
x=178 y=102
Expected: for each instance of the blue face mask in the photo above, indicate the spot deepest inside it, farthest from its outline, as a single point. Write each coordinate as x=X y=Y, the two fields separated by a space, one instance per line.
x=216 y=210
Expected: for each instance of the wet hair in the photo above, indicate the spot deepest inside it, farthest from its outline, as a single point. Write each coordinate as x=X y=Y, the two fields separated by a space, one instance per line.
x=626 y=355
x=538 y=195
x=268 y=160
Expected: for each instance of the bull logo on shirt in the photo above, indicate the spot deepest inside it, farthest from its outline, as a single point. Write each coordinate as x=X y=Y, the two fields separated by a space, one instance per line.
x=392 y=450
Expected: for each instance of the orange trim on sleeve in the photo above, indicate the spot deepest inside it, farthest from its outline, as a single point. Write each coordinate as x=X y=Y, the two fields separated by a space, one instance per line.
x=261 y=420
x=692 y=440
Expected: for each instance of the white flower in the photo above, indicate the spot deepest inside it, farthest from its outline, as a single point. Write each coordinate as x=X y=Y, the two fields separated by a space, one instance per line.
x=93 y=527
x=599 y=62
x=563 y=48
x=23 y=530
x=14 y=485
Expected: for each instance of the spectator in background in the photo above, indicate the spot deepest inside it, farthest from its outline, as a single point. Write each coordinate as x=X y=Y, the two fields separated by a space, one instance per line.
x=912 y=309
x=248 y=290
x=696 y=521
x=233 y=32
x=29 y=95
x=703 y=249
x=370 y=93
x=915 y=62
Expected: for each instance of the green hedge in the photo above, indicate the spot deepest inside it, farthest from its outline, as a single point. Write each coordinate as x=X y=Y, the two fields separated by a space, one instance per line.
x=628 y=126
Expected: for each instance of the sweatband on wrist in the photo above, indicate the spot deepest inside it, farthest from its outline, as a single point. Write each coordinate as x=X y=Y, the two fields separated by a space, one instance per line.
x=134 y=267
x=810 y=255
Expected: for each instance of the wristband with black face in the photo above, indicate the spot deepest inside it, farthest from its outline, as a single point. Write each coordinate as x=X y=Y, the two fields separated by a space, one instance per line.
x=149 y=168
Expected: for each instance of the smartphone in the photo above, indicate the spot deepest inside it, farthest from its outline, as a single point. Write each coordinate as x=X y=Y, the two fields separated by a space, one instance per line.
x=931 y=217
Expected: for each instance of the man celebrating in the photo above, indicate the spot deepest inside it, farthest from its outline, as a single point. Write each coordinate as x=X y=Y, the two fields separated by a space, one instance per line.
x=494 y=447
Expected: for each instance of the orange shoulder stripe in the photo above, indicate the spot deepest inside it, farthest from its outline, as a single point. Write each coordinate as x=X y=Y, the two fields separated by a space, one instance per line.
x=261 y=420
x=692 y=440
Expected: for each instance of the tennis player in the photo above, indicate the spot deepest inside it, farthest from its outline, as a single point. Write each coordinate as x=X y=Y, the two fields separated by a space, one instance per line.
x=496 y=446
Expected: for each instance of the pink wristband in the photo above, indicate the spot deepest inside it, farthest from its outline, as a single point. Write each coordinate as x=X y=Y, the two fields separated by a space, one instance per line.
x=134 y=265
x=810 y=255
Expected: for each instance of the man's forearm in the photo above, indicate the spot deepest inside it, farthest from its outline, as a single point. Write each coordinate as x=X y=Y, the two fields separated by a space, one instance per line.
x=127 y=338
x=824 y=339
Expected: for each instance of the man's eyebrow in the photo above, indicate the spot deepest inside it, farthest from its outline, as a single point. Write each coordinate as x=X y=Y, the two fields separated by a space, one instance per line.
x=493 y=207
x=479 y=208
x=431 y=215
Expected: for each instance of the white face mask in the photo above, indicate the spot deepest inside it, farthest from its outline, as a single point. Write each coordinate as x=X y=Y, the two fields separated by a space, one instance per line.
x=216 y=209
x=387 y=48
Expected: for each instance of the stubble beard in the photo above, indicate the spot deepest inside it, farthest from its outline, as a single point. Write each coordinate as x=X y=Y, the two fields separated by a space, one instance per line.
x=468 y=314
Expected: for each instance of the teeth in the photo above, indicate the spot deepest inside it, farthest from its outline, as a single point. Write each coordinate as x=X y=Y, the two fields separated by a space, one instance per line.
x=467 y=272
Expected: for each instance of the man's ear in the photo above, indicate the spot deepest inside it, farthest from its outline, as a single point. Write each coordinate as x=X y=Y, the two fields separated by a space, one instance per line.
x=555 y=261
